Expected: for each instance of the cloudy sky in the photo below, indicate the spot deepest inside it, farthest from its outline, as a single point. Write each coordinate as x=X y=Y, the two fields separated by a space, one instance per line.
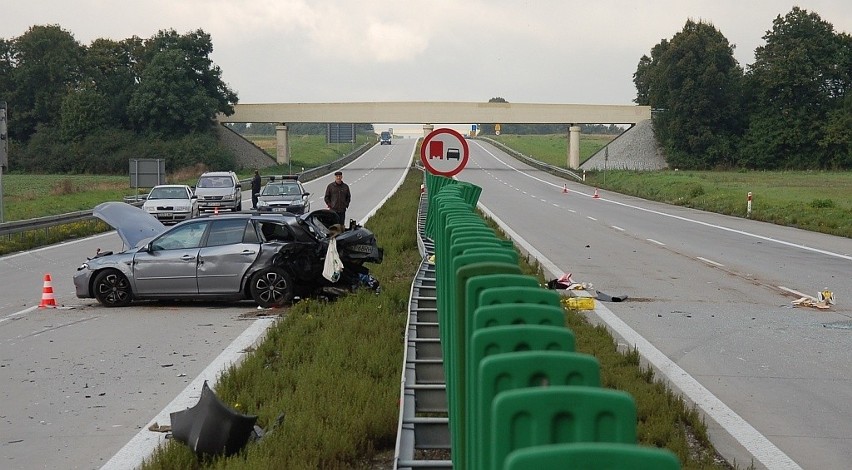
x=546 y=51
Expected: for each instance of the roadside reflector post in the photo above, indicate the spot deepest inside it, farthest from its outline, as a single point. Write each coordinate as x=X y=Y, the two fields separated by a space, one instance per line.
x=748 y=205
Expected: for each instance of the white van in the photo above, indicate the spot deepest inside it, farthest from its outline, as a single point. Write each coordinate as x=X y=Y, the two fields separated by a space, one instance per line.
x=219 y=190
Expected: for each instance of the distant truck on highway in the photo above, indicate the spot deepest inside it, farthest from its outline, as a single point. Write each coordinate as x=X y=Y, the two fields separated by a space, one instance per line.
x=385 y=138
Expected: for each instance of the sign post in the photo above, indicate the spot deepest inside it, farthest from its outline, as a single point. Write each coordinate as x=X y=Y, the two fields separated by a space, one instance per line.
x=444 y=152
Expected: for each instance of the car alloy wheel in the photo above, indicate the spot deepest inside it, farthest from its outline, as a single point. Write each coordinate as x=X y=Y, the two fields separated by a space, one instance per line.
x=112 y=289
x=271 y=287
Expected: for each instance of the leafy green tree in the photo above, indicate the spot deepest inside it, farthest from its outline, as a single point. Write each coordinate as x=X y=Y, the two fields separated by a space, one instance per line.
x=46 y=63
x=180 y=90
x=797 y=91
x=110 y=68
x=84 y=112
x=694 y=85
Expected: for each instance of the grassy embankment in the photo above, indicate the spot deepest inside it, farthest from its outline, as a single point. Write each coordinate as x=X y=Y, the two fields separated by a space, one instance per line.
x=819 y=201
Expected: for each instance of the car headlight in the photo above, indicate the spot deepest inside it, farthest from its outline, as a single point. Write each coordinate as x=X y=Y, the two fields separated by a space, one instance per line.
x=149 y=208
x=83 y=266
x=262 y=203
x=182 y=208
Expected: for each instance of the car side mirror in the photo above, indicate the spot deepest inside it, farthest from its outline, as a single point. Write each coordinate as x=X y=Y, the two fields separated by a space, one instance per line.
x=306 y=194
x=239 y=186
x=193 y=197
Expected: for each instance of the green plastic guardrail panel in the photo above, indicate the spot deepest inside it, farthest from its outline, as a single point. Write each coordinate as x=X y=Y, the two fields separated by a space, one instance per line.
x=485 y=252
x=471 y=192
x=519 y=295
x=529 y=417
x=476 y=285
x=447 y=200
x=509 y=371
x=518 y=314
x=465 y=267
x=445 y=271
x=502 y=340
x=591 y=456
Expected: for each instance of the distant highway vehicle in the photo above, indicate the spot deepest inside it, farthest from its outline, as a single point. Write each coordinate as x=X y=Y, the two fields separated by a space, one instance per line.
x=385 y=138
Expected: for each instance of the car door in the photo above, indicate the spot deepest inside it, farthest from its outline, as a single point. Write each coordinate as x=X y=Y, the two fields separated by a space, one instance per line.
x=169 y=265
x=232 y=245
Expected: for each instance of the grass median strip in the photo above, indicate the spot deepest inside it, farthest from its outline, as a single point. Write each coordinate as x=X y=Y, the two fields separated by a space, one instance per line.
x=332 y=370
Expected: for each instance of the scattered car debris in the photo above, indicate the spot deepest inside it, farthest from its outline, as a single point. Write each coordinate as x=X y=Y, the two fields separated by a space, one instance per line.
x=610 y=298
x=211 y=427
x=823 y=301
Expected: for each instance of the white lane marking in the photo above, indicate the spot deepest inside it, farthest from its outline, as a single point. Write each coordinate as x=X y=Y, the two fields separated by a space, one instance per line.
x=709 y=261
x=750 y=438
x=56 y=245
x=591 y=218
x=685 y=219
x=655 y=241
x=12 y=316
x=617 y=228
x=795 y=292
x=145 y=442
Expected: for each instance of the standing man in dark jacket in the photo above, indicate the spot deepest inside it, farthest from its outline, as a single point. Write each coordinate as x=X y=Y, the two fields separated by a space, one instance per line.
x=337 y=196
x=255 y=189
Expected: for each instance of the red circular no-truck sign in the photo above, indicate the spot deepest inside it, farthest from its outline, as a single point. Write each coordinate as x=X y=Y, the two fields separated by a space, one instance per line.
x=444 y=152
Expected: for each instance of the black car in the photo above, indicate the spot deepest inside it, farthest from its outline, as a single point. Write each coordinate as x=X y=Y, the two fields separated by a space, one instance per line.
x=267 y=257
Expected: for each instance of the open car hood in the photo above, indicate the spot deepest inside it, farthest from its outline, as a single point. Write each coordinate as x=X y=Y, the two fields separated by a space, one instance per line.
x=132 y=223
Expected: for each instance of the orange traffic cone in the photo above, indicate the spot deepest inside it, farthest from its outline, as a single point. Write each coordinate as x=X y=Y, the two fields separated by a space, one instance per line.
x=596 y=194
x=47 y=300
x=564 y=188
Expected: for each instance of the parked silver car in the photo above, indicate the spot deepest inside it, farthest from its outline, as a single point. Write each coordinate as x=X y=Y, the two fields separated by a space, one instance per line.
x=171 y=203
x=267 y=257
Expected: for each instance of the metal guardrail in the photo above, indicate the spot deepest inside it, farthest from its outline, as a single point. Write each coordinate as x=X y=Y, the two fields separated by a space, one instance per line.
x=19 y=226
x=39 y=223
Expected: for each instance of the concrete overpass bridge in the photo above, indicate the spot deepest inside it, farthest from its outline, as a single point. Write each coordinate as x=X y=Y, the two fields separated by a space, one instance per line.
x=430 y=114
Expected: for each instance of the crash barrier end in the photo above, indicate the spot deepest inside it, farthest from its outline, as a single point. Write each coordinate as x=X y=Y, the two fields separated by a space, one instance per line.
x=47 y=298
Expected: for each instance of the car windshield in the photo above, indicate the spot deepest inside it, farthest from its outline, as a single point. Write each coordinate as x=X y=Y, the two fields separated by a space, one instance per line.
x=215 y=182
x=168 y=193
x=281 y=190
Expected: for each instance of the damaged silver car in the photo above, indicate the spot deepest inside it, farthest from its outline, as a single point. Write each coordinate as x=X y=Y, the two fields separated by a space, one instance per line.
x=265 y=257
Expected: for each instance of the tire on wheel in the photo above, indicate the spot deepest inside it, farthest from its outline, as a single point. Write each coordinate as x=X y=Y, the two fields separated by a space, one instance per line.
x=112 y=288
x=271 y=287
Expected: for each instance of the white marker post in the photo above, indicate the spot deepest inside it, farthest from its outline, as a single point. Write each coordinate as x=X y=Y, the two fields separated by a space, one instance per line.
x=748 y=207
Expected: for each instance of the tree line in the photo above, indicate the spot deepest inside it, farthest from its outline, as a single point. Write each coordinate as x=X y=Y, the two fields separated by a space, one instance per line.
x=90 y=109
x=790 y=109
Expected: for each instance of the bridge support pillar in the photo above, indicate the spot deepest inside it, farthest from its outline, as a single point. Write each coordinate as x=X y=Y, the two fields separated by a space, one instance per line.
x=282 y=146
x=573 y=147
x=427 y=129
